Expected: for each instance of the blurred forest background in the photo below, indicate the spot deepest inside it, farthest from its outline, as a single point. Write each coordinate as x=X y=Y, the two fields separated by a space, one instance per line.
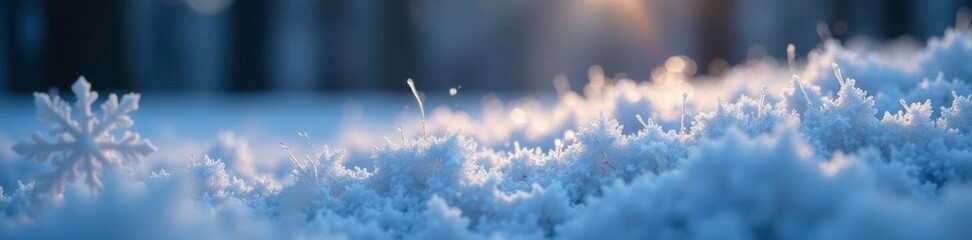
x=254 y=45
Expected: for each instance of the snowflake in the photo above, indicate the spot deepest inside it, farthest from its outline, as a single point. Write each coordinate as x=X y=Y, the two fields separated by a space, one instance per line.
x=85 y=143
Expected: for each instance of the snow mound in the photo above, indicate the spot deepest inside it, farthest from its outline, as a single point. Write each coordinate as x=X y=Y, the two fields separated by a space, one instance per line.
x=851 y=145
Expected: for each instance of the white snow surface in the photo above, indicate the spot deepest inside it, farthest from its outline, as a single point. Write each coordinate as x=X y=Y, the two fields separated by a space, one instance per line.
x=877 y=148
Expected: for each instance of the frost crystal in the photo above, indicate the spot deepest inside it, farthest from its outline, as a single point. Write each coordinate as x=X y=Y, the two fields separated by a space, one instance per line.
x=85 y=143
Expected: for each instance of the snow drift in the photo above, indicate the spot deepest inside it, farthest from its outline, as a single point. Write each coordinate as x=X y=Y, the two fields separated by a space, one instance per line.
x=848 y=144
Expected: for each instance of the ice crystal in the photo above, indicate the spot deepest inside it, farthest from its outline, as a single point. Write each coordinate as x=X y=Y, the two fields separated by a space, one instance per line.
x=84 y=141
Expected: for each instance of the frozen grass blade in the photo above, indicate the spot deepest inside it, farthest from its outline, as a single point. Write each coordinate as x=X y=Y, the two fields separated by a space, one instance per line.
x=562 y=85
x=681 y=124
x=411 y=84
x=824 y=32
x=762 y=98
x=840 y=77
x=962 y=18
x=309 y=142
x=803 y=90
x=401 y=133
x=640 y=120
x=300 y=167
x=791 y=57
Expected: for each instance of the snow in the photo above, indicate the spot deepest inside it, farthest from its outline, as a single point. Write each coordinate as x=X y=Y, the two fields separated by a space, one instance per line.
x=849 y=143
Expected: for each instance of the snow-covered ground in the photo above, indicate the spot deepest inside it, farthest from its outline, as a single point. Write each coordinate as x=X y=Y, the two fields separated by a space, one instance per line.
x=852 y=142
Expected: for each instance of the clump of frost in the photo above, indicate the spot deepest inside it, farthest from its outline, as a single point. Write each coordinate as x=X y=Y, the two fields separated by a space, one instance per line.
x=326 y=168
x=19 y=203
x=602 y=155
x=959 y=115
x=939 y=156
x=914 y=124
x=844 y=123
x=215 y=183
x=737 y=187
x=746 y=114
x=939 y=91
x=421 y=167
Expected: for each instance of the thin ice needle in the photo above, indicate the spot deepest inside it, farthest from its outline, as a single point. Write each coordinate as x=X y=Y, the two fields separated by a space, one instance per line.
x=411 y=84
x=804 y=91
x=762 y=98
x=681 y=127
x=640 y=120
x=791 y=56
x=840 y=77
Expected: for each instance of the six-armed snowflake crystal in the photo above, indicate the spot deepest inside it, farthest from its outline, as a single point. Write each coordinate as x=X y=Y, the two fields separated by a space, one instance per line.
x=85 y=143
